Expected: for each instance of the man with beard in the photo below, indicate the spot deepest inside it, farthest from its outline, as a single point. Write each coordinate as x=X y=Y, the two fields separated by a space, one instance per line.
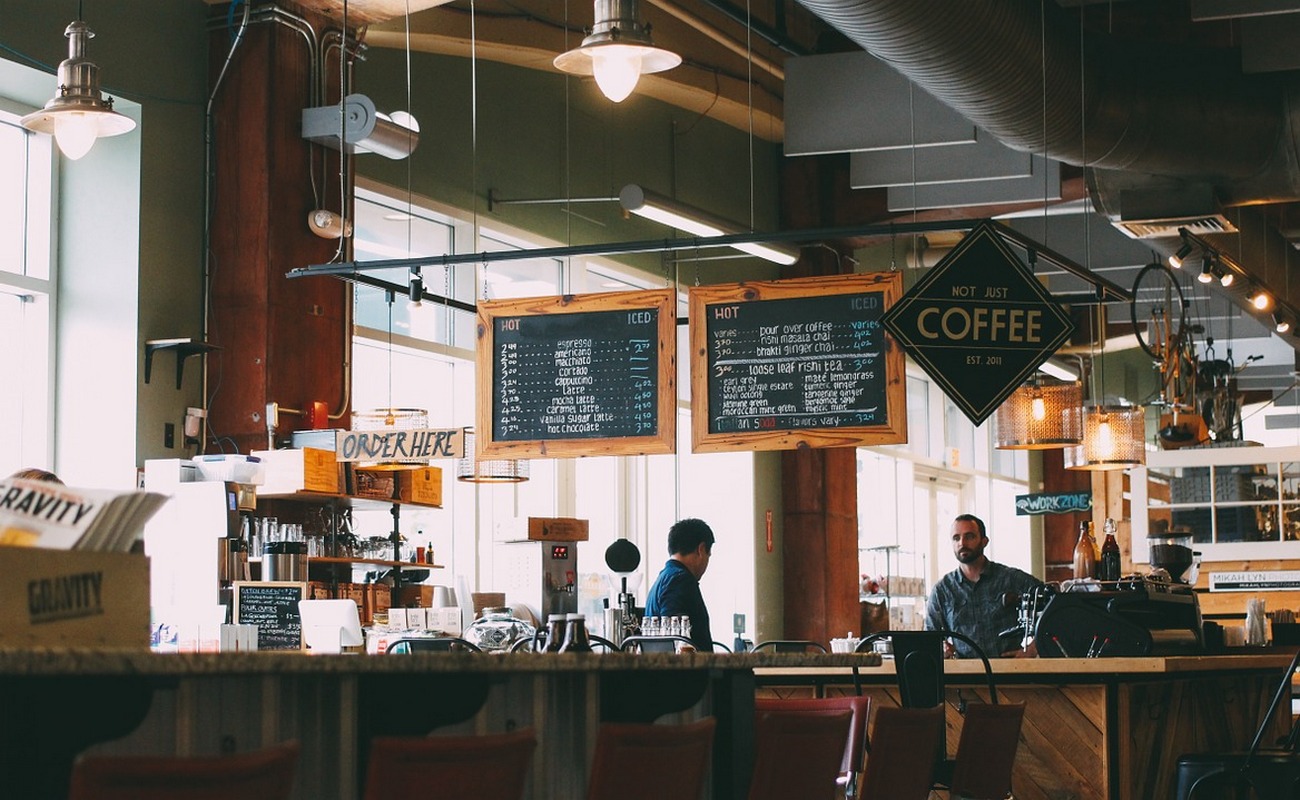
x=968 y=600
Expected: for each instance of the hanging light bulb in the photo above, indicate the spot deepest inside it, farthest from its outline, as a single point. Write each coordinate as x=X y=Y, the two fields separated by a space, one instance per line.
x=1114 y=437
x=1040 y=415
x=1105 y=439
x=1261 y=301
x=1037 y=408
x=79 y=113
x=618 y=51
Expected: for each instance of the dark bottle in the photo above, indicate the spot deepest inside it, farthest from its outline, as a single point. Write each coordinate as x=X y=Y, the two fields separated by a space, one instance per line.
x=554 y=633
x=1085 y=553
x=575 y=635
x=1108 y=569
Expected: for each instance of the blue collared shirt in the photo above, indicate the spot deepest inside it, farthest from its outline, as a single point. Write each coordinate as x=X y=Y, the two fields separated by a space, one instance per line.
x=976 y=609
x=676 y=592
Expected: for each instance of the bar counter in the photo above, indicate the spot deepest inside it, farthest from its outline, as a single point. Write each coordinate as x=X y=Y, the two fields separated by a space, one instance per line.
x=1094 y=728
x=57 y=703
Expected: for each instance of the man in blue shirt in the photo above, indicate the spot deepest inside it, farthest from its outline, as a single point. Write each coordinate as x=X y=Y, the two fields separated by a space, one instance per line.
x=676 y=592
x=969 y=599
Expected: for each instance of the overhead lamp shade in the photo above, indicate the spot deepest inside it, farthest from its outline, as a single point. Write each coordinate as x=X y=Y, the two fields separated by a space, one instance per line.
x=391 y=419
x=1114 y=437
x=78 y=114
x=638 y=200
x=471 y=469
x=1041 y=416
x=618 y=51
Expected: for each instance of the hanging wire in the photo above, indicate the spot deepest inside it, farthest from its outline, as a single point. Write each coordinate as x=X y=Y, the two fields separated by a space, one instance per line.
x=340 y=252
x=473 y=137
x=749 y=86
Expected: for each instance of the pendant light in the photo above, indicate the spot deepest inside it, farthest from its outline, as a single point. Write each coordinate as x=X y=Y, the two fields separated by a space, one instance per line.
x=78 y=113
x=1114 y=437
x=471 y=469
x=1041 y=415
x=391 y=419
x=618 y=50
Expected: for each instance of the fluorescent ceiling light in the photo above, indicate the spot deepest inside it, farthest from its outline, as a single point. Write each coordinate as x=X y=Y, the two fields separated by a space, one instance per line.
x=1058 y=370
x=665 y=211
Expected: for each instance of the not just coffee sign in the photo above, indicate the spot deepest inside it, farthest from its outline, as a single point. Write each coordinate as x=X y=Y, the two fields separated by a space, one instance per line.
x=979 y=323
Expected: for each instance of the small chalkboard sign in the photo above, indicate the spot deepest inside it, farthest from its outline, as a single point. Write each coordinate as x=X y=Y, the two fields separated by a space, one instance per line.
x=273 y=607
x=805 y=362
x=577 y=375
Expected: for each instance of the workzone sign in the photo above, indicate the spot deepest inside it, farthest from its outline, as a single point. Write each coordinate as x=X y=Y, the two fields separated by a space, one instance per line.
x=979 y=323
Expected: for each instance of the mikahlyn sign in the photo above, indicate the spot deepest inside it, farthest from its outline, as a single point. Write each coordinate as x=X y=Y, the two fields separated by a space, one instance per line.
x=979 y=323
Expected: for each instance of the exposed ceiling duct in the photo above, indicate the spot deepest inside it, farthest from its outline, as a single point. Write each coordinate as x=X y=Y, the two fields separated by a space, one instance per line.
x=1174 y=112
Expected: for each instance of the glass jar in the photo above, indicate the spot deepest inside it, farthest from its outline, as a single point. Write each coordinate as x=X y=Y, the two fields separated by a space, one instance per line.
x=498 y=630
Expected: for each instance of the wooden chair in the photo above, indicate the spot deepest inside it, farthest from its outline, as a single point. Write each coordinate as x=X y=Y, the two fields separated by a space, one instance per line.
x=986 y=751
x=856 y=744
x=651 y=762
x=904 y=750
x=260 y=775
x=491 y=767
x=798 y=753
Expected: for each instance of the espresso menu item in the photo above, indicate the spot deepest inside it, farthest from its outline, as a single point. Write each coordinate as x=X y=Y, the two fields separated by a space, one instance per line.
x=584 y=375
x=805 y=361
x=273 y=607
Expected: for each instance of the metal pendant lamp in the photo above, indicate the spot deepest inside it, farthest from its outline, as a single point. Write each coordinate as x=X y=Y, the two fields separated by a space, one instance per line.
x=1114 y=437
x=618 y=50
x=1041 y=415
x=471 y=469
x=79 y=113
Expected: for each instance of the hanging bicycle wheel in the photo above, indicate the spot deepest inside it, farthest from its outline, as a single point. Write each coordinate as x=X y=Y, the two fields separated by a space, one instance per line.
x=1158 y=310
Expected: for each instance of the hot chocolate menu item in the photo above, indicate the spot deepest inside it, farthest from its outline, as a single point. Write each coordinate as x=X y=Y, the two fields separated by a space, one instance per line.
x=579 y=375
x=781 y=364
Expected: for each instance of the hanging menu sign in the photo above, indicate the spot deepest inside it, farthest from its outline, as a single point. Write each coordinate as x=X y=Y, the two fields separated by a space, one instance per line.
x=273 y=607
x=806 y=362
x=577 y=375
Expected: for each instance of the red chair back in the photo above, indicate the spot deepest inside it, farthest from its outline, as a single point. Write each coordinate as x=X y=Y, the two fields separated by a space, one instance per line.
x=986 y=751
x=492 y=767
x=859 y=706
x=904 y=750
x=798 y=753
x=260 y=775
x=651 y=762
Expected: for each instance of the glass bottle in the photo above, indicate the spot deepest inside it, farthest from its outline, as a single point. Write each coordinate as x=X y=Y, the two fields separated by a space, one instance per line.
x=575 y=635
x=1109 y=568
x=1085 y=553
x=554 y=633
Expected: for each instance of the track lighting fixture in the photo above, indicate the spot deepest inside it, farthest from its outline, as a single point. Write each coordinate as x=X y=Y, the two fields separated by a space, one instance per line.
x=79 y=113
x=1183 y=251
x=618 y=51
x=1226 y=279
x=666 y=211
x=1207 y=270
x=1280 y=323
x=1261 y=301
x=416 y=289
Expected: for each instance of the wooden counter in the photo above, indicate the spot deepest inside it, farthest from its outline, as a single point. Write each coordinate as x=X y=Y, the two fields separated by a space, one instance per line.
x=56 y=703
x=1094 y=728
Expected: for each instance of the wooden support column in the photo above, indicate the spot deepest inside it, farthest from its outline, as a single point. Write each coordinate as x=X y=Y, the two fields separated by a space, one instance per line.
x=283 y=341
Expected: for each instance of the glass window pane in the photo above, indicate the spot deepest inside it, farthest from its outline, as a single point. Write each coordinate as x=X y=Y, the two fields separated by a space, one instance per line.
x=918 y=416
x=13 y=198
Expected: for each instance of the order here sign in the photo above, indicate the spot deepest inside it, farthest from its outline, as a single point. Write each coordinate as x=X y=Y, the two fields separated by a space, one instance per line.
x=979 y=323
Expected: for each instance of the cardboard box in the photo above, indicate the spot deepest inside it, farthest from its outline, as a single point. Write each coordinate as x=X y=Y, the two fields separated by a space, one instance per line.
x=416 y=596
x=73 y=598
x=423 y=486
x=557 y=529
x=305 y=469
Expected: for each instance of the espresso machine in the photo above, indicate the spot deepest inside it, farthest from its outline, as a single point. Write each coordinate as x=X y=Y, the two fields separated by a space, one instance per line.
x=542 y=575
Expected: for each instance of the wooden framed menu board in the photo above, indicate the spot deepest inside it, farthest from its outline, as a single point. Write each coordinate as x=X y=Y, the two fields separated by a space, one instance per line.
x=806 y=362
x=577 y=375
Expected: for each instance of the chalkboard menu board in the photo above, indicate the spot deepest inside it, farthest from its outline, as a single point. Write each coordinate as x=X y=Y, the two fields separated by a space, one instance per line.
x=577 y=375
x=805 y=362
x=273 y=607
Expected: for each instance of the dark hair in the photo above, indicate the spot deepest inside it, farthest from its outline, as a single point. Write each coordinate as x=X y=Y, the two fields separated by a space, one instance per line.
x=979 y=523
x=686 y=535
x=36 y=474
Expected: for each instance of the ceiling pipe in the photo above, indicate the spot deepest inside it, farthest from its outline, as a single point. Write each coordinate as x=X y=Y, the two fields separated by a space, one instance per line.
x=1174 y=112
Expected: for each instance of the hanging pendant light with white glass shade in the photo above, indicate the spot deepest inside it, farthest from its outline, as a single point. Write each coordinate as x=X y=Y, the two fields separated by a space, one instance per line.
x=1114 y=437
x=1041 y=415
x=618 y=50
x=471 y=469
x=79 y=113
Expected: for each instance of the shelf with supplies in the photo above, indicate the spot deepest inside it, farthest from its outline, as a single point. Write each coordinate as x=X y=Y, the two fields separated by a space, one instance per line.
x=380 y=562
x=346 y=500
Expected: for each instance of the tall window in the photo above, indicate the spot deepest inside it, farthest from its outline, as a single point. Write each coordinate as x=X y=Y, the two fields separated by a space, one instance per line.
x=27 y=292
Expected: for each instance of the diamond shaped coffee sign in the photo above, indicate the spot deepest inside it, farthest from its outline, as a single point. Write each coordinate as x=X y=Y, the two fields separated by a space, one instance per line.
x=979 y=323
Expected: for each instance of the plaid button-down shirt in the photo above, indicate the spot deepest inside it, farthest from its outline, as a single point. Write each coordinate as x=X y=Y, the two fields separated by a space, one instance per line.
x=976 y=609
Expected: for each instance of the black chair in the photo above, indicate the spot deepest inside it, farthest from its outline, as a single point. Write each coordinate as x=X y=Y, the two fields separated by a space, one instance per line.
x=790 y=646
x=432 y=644
x=537 y=642
x=1272 y=773
x=653 y=644
x=918 y=665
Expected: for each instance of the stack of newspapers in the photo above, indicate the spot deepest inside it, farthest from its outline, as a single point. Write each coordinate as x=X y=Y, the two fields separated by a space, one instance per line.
x=51 y=515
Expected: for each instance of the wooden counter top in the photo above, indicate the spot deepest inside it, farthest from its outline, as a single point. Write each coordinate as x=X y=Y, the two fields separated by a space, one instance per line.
x=108 y=662
x=1009 y=668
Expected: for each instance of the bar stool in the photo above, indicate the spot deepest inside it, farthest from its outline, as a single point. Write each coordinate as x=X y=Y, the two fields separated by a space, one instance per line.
x=904 y=751
x=856 y=744
x=259 y=775
x=490 y=767
x=798 y=753
x=651 y=762
x=986 y=751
